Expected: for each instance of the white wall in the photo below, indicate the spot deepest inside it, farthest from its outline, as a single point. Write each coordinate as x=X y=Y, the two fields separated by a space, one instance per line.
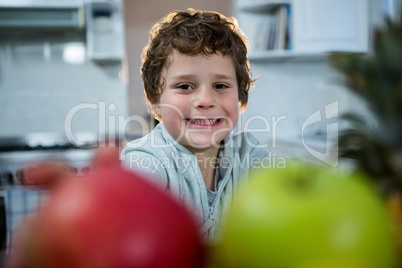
x=38 y=87
x=289 y=92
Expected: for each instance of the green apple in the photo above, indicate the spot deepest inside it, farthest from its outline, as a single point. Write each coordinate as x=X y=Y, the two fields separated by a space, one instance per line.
x=306 y=216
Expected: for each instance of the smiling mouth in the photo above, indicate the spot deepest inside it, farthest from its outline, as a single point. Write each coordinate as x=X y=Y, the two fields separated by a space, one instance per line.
x=205 y=122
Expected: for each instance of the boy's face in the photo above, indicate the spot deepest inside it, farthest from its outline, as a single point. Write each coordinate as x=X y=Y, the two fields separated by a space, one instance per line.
x=199 y=104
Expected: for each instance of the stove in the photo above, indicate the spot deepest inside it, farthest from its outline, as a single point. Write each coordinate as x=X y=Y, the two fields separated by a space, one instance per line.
x=17 y=201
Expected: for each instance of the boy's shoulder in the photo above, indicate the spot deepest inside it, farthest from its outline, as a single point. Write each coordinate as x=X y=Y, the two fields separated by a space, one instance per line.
x=245 y=144
x=150 y=142
x=245 y=136
x=244 y=140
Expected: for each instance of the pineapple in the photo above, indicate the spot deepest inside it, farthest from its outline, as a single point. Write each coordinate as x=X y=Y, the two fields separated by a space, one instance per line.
x=377 y=78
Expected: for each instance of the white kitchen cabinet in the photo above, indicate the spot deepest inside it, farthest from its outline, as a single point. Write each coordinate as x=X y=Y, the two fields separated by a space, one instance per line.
x=314 y=27
x=327 y=25
x=105 y=30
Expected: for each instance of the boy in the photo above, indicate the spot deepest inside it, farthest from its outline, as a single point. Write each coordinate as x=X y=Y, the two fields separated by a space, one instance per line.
x=196 y=77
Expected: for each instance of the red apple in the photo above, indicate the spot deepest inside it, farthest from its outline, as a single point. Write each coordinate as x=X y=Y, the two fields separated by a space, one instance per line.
x=44 y=174
x=307 y=216
x=110 y=218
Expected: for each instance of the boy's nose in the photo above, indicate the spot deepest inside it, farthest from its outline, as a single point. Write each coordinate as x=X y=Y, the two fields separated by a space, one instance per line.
x=205 y=98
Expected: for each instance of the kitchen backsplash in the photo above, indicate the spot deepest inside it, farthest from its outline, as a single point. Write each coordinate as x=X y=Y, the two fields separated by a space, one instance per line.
x=46 y=83
x=298 y=98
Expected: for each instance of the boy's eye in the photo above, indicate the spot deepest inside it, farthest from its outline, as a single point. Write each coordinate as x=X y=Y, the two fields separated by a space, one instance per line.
x=220 y=86
x=185 y=87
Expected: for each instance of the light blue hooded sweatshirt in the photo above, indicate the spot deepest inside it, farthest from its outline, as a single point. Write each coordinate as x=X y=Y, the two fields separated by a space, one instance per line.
x=175 y=169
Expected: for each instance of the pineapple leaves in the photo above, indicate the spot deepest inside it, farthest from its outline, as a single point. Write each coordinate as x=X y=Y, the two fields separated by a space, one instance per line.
x=377 y=79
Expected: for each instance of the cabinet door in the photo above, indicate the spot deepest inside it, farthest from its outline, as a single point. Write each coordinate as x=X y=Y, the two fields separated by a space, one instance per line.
x=327 y=25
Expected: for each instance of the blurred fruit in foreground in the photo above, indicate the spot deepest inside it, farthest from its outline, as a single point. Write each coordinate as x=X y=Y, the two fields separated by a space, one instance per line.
x=48 y=173
x=306 y=216
x=109 y=218
x=45 y=174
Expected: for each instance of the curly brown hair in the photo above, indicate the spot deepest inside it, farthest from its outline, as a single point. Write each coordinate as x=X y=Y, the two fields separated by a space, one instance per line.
x=193 y=32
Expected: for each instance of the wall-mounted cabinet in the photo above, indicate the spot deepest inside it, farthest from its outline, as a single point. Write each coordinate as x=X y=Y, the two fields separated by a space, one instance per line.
x=105 y=30
x=281 y=29
x=33 y=15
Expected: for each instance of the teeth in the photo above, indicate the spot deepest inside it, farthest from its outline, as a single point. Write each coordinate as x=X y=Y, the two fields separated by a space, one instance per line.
x=204 y=121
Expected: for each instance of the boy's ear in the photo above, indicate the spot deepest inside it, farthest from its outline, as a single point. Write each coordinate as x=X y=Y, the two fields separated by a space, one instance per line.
x=156 y=110
x=241 y=108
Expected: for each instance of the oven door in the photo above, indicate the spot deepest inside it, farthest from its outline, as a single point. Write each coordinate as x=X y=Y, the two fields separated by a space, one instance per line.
x=3 y=226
